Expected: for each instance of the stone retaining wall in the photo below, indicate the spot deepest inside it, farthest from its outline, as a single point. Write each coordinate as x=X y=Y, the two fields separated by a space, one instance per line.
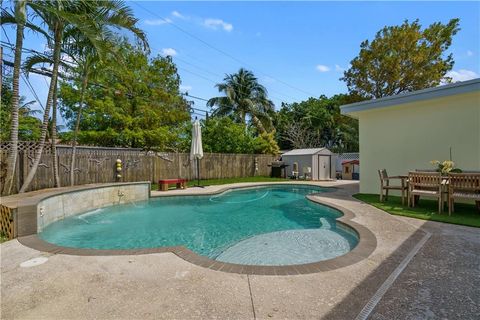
x=68 y=204
x=33 y=211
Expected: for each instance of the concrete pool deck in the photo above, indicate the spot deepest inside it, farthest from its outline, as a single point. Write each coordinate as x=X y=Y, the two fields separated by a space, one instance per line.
x=440 y=281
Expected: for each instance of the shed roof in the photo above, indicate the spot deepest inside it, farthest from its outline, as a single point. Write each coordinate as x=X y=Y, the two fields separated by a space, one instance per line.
x=355 y=161
x=302 y=152
x=419 y=95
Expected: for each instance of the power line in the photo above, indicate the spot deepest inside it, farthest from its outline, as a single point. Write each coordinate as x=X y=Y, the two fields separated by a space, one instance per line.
x=194 y=97
x=32 y=90
x=212 y=81
x=169 y=22
x=221 y=76
x=12 y=47
x=23 y=76
x=200 y=109
x=195 y=66
x=217 y=75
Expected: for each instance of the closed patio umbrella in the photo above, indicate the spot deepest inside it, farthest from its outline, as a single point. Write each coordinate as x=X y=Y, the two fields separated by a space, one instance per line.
x=196 y=149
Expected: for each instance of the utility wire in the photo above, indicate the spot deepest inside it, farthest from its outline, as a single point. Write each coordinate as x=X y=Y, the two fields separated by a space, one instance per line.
x=32 y=90
x=194 y=97
x=169 y=22
x=23 y=76
x=218 y=75
x=183 y=52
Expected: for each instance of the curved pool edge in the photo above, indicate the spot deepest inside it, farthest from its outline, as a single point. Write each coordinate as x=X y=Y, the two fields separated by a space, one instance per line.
x=366 y=245
x=231 y=187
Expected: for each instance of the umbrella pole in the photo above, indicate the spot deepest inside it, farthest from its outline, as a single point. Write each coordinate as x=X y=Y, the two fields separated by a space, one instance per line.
x=198 y=173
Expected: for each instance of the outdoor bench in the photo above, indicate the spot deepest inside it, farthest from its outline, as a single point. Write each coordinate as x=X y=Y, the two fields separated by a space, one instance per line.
x=164 y=183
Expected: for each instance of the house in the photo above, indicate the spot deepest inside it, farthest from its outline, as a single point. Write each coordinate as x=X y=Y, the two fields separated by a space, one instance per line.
x=351 y=170
x=317 y=163
x=405 y=132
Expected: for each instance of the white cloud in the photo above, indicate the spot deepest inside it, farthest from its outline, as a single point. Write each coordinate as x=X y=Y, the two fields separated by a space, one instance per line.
x=177 y=14
x=338 y=68
x=469 y=53
x=157 y=22
x=322 y=68
x=462 y=75
x=218 y=23
x=169 y=52
x=185 y=88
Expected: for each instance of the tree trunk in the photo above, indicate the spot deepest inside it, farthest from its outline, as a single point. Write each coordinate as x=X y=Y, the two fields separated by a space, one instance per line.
x=77 y=124
x=258 y=124
x=58 y=31
x=21 y=16
x=53 y=136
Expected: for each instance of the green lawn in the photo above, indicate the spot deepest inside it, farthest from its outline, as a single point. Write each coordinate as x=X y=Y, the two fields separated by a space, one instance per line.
x=212 y=182
x=465 y=214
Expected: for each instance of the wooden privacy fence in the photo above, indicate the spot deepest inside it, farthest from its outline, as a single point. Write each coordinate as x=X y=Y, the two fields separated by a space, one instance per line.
x=97 y=165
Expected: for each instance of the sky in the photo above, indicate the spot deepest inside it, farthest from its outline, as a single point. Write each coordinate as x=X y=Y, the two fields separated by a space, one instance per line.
x=296 y=49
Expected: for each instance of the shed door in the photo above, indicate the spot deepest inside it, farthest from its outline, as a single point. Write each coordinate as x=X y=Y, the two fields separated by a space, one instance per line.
x=324 y=163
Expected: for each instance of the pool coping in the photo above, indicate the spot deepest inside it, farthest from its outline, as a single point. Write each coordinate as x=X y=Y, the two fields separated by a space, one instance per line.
x=366 y=245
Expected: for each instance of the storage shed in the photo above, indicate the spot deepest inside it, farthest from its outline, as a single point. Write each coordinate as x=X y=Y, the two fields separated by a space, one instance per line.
x=321 y=162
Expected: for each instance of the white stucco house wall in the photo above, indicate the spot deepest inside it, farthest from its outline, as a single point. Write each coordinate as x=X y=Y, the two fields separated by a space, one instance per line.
x=405 y=132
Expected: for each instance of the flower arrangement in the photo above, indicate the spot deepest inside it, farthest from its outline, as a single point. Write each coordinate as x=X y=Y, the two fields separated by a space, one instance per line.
x=445 y=166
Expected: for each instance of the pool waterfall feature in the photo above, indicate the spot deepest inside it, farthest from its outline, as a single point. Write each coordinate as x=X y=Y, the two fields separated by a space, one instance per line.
x=63 y=206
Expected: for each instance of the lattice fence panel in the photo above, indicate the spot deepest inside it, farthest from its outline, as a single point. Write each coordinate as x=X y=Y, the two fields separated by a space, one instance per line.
x=345 y=156
x=7 y=222
x=25 y=146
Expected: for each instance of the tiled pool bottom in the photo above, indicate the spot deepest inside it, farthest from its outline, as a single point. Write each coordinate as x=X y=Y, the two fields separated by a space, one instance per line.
x=289 y=247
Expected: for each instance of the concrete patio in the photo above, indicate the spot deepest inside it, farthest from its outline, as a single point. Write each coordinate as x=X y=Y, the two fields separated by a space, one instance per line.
x=441 y=281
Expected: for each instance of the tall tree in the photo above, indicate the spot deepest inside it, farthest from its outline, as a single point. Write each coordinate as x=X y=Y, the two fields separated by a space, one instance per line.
x=89 y=55
x=20 y=19
x=87 y=18
x=136 y=103
x=401 y=59
x=245 y=97
x=317 y=122
x=30 y=65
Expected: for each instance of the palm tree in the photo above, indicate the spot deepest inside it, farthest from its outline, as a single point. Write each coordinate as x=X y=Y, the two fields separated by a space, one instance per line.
x=86 y=64
x=88 y=56
x=244 y=97
x=93 y=20
x=29 y=66
x=19 y=18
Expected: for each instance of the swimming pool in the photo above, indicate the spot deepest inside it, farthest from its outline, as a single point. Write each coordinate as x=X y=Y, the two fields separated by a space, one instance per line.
x=267 y=225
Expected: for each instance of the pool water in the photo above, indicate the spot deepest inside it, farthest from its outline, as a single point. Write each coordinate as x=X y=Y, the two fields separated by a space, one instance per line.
x=268 y=225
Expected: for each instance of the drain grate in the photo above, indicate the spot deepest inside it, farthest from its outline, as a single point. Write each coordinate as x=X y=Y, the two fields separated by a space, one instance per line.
x=372 y=303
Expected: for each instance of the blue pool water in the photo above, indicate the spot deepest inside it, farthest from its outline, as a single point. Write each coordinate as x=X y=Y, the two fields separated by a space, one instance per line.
x=269 y=225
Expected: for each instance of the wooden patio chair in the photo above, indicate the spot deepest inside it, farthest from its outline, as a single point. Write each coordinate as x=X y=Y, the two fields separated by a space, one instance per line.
x=385 y=185
x=427 y=184
x=463 y=186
